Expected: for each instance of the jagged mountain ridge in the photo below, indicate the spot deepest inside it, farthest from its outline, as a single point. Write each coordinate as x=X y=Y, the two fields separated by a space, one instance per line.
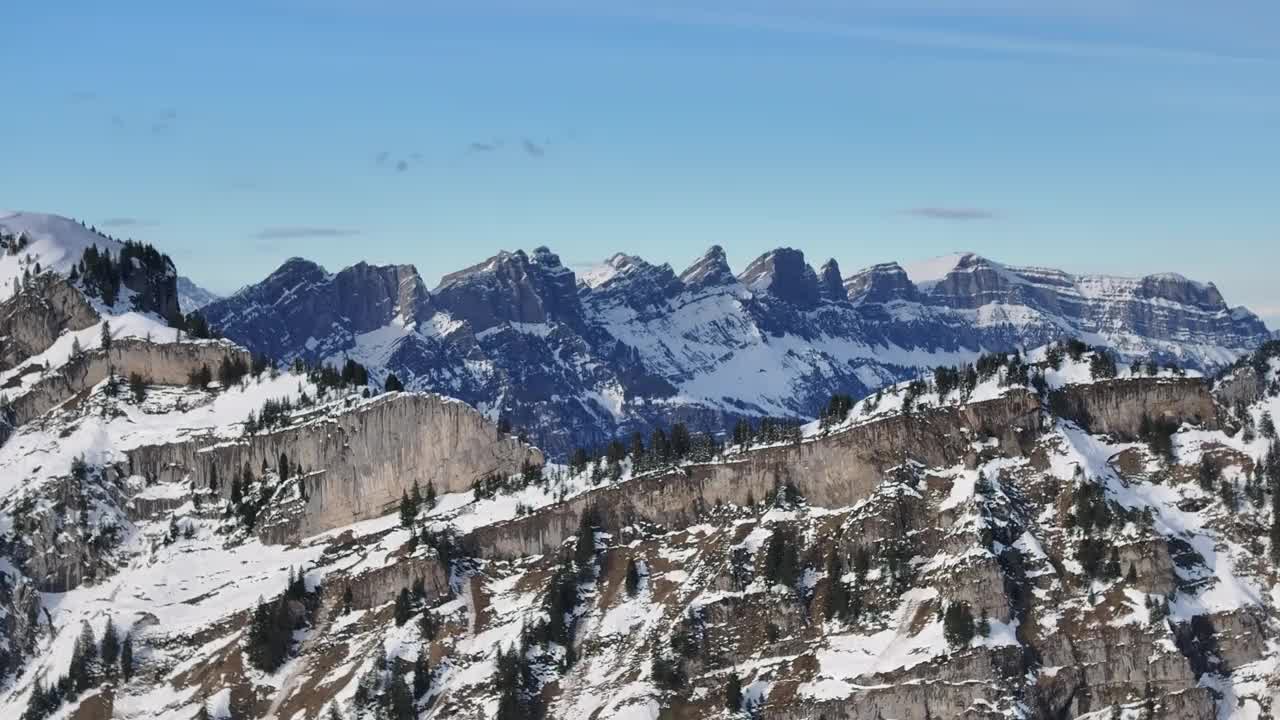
x=631 y=344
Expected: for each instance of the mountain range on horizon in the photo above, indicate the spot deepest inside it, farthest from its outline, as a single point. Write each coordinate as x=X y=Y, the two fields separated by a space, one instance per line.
x=579 y=358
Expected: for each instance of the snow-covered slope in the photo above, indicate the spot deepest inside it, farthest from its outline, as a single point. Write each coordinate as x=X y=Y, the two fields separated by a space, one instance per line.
x=53 y=241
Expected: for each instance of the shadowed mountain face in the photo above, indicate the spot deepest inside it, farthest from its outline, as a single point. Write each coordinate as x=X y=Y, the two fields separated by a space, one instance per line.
x=630 y=345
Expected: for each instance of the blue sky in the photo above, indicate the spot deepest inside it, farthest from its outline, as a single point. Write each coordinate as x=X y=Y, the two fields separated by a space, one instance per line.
x=1124 y=137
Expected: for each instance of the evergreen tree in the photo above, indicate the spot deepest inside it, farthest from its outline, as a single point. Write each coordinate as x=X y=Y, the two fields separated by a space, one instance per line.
x=415 y=498
x=110 y=646
x=429 y=626
x=957 y=624
x=681 y=442
x=402 y=607
x=1113 y=565
x=106 y=335
x=347 y=600
x=393 y=383
x=733 y=693
x=137 y=387
x=633 y=577
x=399 y=698
x=838 y=595
x=407 y=513
x=584 y=551
x=270 y=634
x=76 y=349
x=38 y=706
x=782 y=557
x=421 y=676
x=83 y=659
x=126 y=657
x=431 y=496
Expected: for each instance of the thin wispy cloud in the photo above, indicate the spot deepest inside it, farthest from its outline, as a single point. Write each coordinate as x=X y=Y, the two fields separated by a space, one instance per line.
x=957 y=214
x=395 y=161
x=958 y=40
x=526 y=146
x=297 y=232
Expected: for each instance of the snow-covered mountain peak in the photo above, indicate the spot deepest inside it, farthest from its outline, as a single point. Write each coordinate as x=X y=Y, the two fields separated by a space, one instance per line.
x=712 y=269
x=54 y=242
x=783 y=274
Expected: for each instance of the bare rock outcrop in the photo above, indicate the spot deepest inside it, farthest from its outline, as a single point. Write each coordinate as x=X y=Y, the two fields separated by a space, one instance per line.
x=356 y=463
x=1119 y=407
x=158 y=363
x=832 y=471
x=33 y=319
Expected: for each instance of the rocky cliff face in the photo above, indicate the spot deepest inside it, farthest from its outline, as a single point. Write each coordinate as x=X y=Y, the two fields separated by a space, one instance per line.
x=160 y=363
x=33 y=319
x=354 y=464
x=630 y=345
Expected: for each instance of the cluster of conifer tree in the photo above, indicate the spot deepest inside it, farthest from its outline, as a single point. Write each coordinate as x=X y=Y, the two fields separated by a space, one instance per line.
x=413 y=501
x=270 y=637
x=516 y=681
x=101 y=275
x=383 y=690
x=91 y=664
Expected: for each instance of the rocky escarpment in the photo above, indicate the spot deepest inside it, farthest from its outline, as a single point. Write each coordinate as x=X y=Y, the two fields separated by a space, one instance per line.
x=354 y=464
x=33 y=319
x=830 y=471
x=158 y=363
x=1125 y=407
x=843 y=468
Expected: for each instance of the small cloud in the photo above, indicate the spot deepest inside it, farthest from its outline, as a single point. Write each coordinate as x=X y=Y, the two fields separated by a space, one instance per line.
x=482 y=147
x=533 y=149
x=164 y=122
x=382 y=158
x=117 y=122
x=295 y=232
x=402 y=165
x=123 y=222
x=951 y=213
